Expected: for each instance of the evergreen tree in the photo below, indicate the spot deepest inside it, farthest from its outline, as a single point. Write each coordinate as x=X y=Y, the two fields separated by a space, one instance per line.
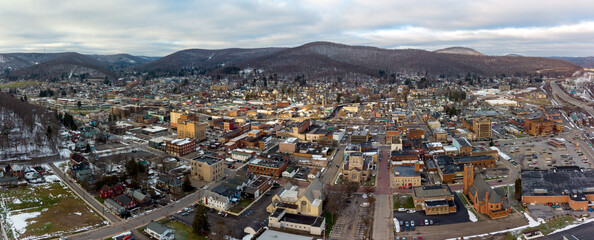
x=187 y=184
x=200 y=224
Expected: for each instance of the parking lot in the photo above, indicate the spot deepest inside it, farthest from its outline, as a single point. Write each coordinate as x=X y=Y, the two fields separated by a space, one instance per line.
x=351 y=221
x=236 y=224
x=545 y=212
x=538 y=153
x=460 y=216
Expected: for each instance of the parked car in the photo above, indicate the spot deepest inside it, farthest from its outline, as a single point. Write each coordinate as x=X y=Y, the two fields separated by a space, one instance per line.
x=426 y=222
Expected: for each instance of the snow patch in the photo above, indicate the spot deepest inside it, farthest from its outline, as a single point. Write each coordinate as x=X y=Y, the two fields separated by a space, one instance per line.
x=19 y=221
x=471 y=216
x=396 y=225
x=573 y=225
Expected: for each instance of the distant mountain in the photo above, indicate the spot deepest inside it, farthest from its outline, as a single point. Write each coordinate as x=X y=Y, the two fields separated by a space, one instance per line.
x=66 y=65
x=206 y=59
x=122 y=61
x=585 y=62
x=513 y=55
x=15 y=61
x=460 y=50
x=325 y=58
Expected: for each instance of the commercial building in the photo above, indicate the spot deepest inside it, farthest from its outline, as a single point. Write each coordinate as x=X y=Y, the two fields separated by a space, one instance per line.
x=154 y=131
x=207 y=168
x=480 y=161
x=180 y=147
x=570 y=185
x=288 y=145
x=406 y=177
x=268 y=167
x=481 y=126
x=359 y=136
x=191 y=129
x=483 y=197
x=542 y=127
x=463 y=145
x=434 y=199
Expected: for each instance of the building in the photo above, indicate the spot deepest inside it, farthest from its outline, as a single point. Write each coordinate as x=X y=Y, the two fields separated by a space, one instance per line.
x=207 y=168
x=357 y=167
x=180 y=147
x=484 y=198
x=191 y=129
x=114 y=206
x=481 y=126
x=110 y=191
x=570 y=185
x=268 y=167
x=296 y=200
x=281 y=219
x=173 y=117
x=463 y=145
x=125 y=201
x=288 y=145
x=392 y=134
x=479 y=161
x=359 y=136
x=159 y=231
x=154 y=131
x=434 y=199
x=406 y=177
x=542 y=127
x=170 y=184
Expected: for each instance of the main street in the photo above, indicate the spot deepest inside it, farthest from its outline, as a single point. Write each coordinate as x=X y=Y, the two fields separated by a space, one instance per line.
x=382 y=221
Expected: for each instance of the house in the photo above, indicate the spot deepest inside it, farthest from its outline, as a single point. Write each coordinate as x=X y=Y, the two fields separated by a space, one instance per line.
x=159 y=231
x=484 y=198
x=215 y=200
x=114 y=206
x=296 y=200
x=138 y=196
x=8 y=181
x=125 y=201
x=170 y=183
x=110 y=191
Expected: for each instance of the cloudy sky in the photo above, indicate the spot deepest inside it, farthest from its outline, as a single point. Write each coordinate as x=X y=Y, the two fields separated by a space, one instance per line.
x=158 y=28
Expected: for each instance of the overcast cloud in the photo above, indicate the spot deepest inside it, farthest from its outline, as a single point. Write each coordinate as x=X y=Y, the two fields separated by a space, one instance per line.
x=158 y=28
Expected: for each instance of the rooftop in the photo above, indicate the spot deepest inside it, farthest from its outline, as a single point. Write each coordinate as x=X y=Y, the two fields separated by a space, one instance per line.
x=207 y=159
x=405 y=171
x=432 y=191
x=558 y=181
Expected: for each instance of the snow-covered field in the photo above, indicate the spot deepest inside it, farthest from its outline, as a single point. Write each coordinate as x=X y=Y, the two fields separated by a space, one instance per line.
x=46 y=210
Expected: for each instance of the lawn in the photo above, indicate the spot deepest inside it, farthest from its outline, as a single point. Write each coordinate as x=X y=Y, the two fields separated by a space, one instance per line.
x=18 y=84
x=182 y=231
x=463 y=198
x=403 y=201
x=99 y=199
x=242 y=204
x=548 y=227
x=370 y=182
x=329 y=222
x=45 y=211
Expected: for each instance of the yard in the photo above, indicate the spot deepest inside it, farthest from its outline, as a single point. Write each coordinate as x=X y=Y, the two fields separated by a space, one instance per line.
x=370 y=182
x=330 y=221
x=182 y=231
x=403 y=201
x=242 y=204
x=45 y=211
x=548 y=227
x=18 y=84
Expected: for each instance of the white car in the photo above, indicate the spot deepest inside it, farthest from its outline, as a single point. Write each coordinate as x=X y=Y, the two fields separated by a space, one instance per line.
x=411 y=211
x=401 y=210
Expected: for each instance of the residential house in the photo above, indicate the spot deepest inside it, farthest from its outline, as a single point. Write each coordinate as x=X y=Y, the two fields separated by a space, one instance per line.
x=110 y=191
x=159 y=231
x=114 y=206
x=125 y=201
x=170 y=183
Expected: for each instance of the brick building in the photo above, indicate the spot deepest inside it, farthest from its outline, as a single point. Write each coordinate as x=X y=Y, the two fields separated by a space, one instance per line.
x=483 y=197
x=180 y=147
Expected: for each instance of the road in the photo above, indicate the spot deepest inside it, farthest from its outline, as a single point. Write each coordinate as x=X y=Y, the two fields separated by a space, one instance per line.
x=382 y=220
x=139 y=221
x=560 y=93
x=330 y=175
x=90 y=200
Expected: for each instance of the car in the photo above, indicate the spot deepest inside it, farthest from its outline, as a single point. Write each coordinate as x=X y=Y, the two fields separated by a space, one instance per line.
x=436 y=221
x=412 y=223
x=430 y=221
x=401 y=223
x=421 y=223
x=185 y=214
x=410 y=211
x=426 y=222
x=406 y=223
x=401 y=210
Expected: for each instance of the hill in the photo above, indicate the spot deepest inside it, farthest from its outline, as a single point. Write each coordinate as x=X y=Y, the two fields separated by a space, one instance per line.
x=26 y=130
x=585 y=62
x=66 y=65
x=325 y=58
x=122 y=61
x=459 y=50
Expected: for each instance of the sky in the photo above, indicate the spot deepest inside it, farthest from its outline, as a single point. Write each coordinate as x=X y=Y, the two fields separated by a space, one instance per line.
x=159 y=28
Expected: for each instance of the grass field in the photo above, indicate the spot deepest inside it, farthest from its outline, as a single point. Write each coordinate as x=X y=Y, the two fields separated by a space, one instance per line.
x=182 y=231
x=45 y=211
x=404 y=201
x=18 y=84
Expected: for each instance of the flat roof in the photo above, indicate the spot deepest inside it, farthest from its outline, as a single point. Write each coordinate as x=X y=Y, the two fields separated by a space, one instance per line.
x=207 y=159
x=266 y=163
x=275 y=235
x=557 y=181
x=405 y=171
x=432 y=191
